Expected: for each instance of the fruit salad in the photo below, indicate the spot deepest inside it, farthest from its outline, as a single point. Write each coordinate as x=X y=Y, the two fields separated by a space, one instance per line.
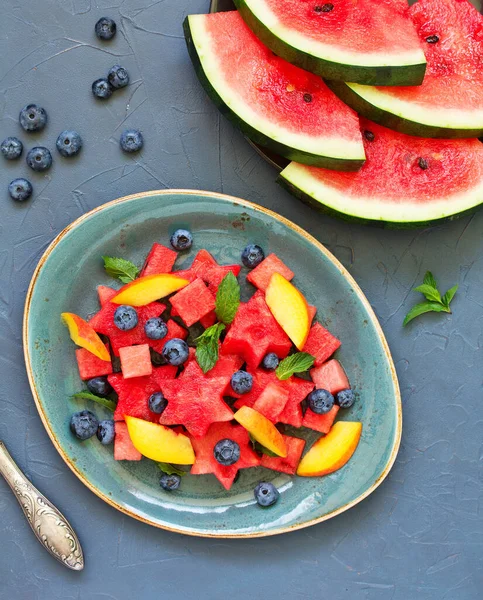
x=198 y=380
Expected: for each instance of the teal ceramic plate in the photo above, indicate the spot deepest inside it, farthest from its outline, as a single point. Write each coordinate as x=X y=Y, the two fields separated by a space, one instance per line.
x=66 y=280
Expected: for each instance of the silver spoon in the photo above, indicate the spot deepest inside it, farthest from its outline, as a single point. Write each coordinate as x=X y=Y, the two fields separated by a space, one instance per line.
x=50 y=526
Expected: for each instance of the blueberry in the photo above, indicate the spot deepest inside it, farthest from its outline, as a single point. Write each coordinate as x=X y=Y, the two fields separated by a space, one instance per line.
x=241 y=382
x=345 y=398
x=252 y=256
x=20 y=189
x=155 y=328
x=131 y=140
x=270 y=362
x=125 y=318
x=226 y=452
x=106 y=432
x=99 y=386
x=32 y=117
x=118 y=77
x=176 y=352
x=69 y=143
x=39 y=158
x=84 y=424
x=105 y=28
x=157 y=403
x=101 y=88
x=11 y=148
x=320 y=401
x=170 y=482
x=181 y=239
x=266 y=494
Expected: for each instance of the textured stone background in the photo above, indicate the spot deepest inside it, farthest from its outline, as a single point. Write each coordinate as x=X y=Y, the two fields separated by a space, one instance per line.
x=420 y=535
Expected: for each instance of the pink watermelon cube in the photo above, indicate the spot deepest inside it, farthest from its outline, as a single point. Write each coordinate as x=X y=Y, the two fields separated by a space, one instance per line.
x=193 y=302
x=159 y=260
x=272 y=401
x=135 y=361
x=321 y=344
x=202 y=261
x=105 y=294
x=261 y=275
x=322 y=423
x=123 y=447
x=90 y=365
x=312 y=312
x=208 y=320
x=331 y=377
x=289 y=464
x=215 y=275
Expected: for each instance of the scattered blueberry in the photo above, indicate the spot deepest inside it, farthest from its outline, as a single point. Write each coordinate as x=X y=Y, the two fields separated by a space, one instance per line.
x=181 y=239
x=106 y=432
x=125 y=318
x=241 y=382
x=131 y=140
x=32 y=117
x=266 y=494
x=118 y=77
x=99 y=386
x=157 y=403
x=155 y=328
x=20 y=189
x=69 y=143
x=226 y=452
x=170 y=482
x=105 y=28
x=270 y=362
x=320 y=401
x=39 y=158
x=345 y=398
x=175 y=352
x=101 y=88
x=252 y=256
x=11 y=148
x=84 y=424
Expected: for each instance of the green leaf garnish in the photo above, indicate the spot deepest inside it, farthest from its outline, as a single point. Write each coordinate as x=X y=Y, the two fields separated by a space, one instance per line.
x=109 y=404
x=296 y=363
x=227 y=298
x=261 y=449
x=170 y=469
x=449 y=295
x=434 y=301
x=121 y=268
x=429 y=292
x=207 y=347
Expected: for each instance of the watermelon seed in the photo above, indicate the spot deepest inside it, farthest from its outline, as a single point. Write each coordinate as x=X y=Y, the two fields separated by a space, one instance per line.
x=324 y=8
x=290 y=88
x=432 y=39
x=423 y=163
x=308 y=98
x=370 y=137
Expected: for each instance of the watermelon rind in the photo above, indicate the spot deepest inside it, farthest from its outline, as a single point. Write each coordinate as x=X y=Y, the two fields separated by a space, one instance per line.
x=328 y=61
x=409 y=117
x=340 y=154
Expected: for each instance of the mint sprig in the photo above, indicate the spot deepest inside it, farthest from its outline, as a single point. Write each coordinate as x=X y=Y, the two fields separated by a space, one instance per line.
x=170 y=469
x=120 y=268
x=296 y=363
x=109 y=404
x=207 y=347
x=227 y=298
x=434 y=301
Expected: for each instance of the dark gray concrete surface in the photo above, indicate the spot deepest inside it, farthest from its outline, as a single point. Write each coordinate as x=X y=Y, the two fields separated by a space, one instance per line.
x=420 y=535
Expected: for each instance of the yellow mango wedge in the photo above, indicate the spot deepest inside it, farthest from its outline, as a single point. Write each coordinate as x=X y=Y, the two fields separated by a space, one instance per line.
x=332 y=451
x=82 y=334
x=290 y=309
x=263 y=430
x=160 y=443
x=147 y=289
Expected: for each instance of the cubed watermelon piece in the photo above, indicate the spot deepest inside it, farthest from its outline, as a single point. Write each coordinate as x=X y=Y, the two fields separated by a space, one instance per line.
x=321 y=344
x=90 y=365
x=295 y=447
x=260 y=276
x=193 y=302
x=135 y=361
x=159 y=260
x=322 y=423
x=312 y=312
x=105 y=294
x=331 y=377
x=209 y=319
x=272 y=401
x=123 y=447
x=299 y=389
x=187 y=274
x=202 y=261
x=215 y=275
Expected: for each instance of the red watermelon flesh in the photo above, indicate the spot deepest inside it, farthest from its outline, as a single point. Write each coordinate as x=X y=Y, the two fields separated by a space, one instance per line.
x=331 y=377
x=289 y=464
x=215 y=275
x=261 y=378
x=159 y=260
x=321 y=344
x=209 y=319
x=123 y=447
x=260 y=276
x=205 y=461
x=224 y=369
x=106 y=294
x=174 y=331
x=272 y=401
x=135 y=361
x=322 y=423
x=90 y=365
x=193 y=302
x=312 y=312
x=203 y=261
x=299 y=389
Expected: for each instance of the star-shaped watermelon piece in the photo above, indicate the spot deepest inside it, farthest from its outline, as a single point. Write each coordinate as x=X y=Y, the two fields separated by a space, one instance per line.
x=205 y=460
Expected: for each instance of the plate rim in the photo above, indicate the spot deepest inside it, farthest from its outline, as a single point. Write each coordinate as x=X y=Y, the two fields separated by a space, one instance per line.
x=343 y=271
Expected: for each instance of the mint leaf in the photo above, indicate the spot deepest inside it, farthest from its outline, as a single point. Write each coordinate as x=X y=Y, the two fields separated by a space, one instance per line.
x=170 y=469
x=424 y=307
x=121 y=268
x=430 y=280
x=434 y=301
x=429 y=292
x=207 y=347
x=261 y=449
x=296 y=363
x=110 y=404
x=449 y=295
x=227 y=298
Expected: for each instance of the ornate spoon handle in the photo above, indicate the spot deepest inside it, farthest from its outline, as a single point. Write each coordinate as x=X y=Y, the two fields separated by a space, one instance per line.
x=50 y=526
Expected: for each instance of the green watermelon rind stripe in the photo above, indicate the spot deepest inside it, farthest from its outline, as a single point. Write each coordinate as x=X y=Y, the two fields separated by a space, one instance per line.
x=347 y=163
x=400 y=75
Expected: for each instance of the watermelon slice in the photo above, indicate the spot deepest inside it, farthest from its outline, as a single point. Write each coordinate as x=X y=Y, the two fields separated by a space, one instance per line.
x=368 y=41
x=135 y=361
x=123 y=447
x=331 y=377
x=406 y=181
x=321 y=423
x=274 y=103
x=321 y=344
x=193 y=302
x=449 y=103
x=159 y=260
x=272 y=401
x=105 y=294
x=205 y=461
x=289 y=464
x=90 y=365
x=260 y=276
